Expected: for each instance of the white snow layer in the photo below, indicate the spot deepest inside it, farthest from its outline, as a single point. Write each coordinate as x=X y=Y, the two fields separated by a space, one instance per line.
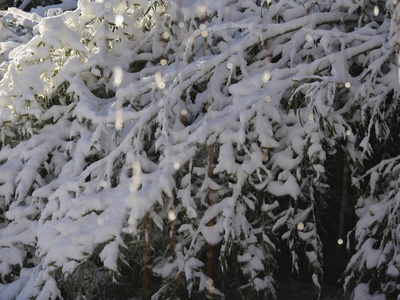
x=106 y=121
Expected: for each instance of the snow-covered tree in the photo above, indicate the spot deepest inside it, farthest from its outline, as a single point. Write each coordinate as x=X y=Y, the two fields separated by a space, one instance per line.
x=162 y=149
x=41 y=7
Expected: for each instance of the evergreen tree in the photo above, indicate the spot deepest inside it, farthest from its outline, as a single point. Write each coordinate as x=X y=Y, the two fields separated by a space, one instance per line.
x=170 y=149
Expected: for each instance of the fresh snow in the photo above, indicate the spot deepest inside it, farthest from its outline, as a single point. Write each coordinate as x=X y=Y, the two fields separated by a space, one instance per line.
x=207 y=124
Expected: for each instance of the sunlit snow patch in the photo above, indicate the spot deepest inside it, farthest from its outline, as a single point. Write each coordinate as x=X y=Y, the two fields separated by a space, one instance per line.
x=159 y=81
x=118 y=75
x=171 y=215
x=266 y=76
x=300 y=226
x=119 y=20
x=376 y=11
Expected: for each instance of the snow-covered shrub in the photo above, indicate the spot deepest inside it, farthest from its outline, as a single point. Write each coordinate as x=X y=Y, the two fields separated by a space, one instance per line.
x=16 y=29
x=165 y=148
x=373 y=269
